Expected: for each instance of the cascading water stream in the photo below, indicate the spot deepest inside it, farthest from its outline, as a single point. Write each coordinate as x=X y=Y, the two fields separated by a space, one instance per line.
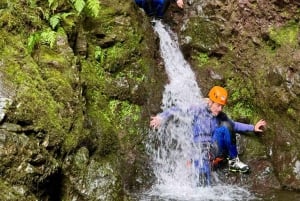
x=171 y=147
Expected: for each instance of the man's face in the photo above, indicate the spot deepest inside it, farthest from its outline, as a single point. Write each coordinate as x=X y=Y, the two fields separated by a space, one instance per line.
x=215 y=108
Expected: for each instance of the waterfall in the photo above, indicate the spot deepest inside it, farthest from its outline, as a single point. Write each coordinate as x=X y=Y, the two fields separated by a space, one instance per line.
x=170 y=147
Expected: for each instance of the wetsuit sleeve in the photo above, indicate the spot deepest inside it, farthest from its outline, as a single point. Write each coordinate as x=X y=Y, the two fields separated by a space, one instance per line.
x=172 y=111
x=237 y=126
x=242 y=127
x=165 y=115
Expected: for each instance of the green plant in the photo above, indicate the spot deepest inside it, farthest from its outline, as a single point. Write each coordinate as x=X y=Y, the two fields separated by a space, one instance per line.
x=99 y=54
x=92 y=6
x=122 y=112
x=53 y=4
x=78 y=5
x=48 y=37
x=31 y=42
x=202 y=58
x=54 y=20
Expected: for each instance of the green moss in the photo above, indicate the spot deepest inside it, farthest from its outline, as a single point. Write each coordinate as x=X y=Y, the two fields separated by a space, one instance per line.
x=203 y=32
x=78 y=134
x=36 y=105
x=285 y=35
x=292 y=112
x=115 y=58
x=16 y=19
x=240 y=97
x=122 y=112
x=16 y=192
x=110 y=64
x=254 y=148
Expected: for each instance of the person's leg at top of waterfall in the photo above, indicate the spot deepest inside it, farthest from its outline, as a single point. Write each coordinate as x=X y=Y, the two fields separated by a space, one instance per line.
x=161 y=6
x=146 y=5
x=157 y=8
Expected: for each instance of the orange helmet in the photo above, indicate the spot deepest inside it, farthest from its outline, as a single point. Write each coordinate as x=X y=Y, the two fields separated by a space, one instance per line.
x=218 y=95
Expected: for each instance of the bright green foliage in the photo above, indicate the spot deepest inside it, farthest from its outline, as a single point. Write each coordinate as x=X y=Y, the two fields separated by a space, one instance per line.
x=48 y=37
x=79 y=5
x=53 y=4
x=286 y=35
x=54 y=21
x=99 y=54
x=202 y=58
x=32 y=40
x=65 y=18
x=91 y=7
x=241 y=98
x=94 y=7
x=123 y=112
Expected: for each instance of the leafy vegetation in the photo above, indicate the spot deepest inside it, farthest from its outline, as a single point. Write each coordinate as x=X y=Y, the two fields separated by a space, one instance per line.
x=202 y=58
x=48 y=36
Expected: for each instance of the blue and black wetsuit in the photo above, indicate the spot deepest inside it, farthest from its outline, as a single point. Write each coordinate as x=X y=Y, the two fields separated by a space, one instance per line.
x=214 y=129
x=213 y=137
x=156 y=8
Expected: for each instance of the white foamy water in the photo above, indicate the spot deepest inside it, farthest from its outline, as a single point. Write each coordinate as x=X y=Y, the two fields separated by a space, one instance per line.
x=182 y=89
x=171 y=147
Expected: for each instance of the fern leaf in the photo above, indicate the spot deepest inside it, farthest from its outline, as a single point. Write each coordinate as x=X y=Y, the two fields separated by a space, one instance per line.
x=32 y=40
x=65 y=15
x=94 y=7
x=48 y=37
x=54 y=20
x=50 y=2
x=99 y=54
x=53 y=4
x=68 y=19
x=79 y=5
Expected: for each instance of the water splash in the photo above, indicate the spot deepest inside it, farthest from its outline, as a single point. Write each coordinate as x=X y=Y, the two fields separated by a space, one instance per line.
x=171 y=147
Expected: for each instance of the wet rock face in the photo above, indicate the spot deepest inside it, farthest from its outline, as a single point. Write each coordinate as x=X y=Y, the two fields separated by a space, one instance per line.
x=4 y=104
x=91 y=179
x=6 y=95
x=74 y=87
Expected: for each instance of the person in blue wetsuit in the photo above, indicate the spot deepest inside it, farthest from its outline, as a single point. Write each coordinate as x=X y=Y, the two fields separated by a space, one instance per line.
x=212 y=126
x=157 y=8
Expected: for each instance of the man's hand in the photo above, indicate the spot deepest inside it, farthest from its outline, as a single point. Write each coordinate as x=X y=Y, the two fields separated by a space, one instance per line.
x=180 y=3
x=259 y=126
x=155 y=121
